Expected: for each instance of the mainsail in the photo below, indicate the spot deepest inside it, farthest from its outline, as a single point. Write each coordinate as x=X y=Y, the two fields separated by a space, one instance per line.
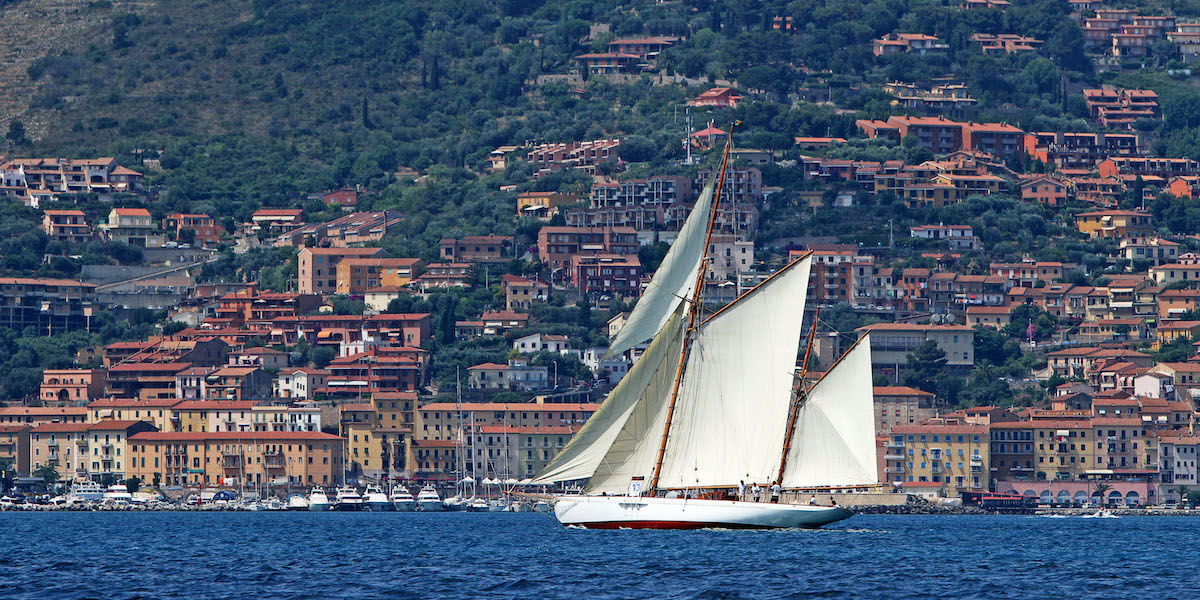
x=672 y=281
x=732 y=409
x=831 y=446
x=608 y=444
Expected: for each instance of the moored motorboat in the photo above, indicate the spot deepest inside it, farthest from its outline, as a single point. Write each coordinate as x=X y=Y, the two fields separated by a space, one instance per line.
x=118 y=494
x=428 y=500
x=318 y=500
x=477 y=505
x=375 y=500
x=85 y=490
x=402 y=500
x=347 y=499
x=297 y=502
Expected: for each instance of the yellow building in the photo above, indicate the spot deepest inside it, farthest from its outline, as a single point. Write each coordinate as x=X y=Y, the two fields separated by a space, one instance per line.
x=84 y=449
x=1114 y=223
x=953 y=458
x=1062 y=448
x=235 y=457
x=379 y=434
x=357 y=275
x=156 y=411
x=542 y=205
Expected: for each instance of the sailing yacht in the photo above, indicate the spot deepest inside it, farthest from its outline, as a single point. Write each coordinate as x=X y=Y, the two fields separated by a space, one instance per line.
x=712 y=402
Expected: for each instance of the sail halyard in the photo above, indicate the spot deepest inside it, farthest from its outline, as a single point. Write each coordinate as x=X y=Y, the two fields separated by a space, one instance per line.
x=694 y=318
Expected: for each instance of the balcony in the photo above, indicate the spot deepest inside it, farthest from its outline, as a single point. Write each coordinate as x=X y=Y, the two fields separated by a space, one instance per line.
x=231 y=462
x=894 y=457
x=893 y=444
x=895 y=469
x=936 y=470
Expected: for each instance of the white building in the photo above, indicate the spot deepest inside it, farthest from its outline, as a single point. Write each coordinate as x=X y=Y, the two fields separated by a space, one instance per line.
x=1177 y=465
x=542 y=342
x=299 y=382
x=1153 y=384
x=730 y=257
x=517 y=375
x=611 y=369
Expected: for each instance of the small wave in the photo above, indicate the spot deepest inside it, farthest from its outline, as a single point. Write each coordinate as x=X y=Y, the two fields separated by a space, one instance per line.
x=516 y=585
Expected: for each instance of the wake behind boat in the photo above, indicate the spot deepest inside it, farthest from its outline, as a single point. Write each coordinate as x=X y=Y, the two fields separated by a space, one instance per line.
x=714 y=402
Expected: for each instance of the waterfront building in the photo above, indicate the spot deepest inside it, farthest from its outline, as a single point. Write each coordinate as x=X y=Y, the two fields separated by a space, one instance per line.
x=951 y=458
x=254 y=457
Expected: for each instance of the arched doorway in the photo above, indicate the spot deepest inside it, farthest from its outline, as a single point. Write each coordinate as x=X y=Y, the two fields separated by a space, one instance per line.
x=1114 y=498
x=1133 y=499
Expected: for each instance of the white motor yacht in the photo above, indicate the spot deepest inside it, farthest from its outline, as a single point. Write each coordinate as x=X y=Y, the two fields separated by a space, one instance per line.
x=118 y=494
x=402 y=500
x=477 y=505
x=318 y=500
x=428 y=500
x=347 y=499
x=85 y=491
x=297 y=502
x=375 y=500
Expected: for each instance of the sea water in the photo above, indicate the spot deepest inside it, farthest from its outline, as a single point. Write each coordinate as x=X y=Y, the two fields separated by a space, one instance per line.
x=302 y=555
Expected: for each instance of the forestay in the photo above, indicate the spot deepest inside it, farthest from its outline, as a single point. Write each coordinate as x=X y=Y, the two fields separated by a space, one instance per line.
x=672 y=282
x=732 y=409
x=834 y=441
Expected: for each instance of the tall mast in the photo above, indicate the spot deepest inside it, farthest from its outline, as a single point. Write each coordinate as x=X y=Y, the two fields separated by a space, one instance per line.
x=694 y=317
x=794 y=409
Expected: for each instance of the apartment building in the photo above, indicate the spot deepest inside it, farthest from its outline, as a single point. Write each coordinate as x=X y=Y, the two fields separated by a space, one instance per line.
x=357 y=275
x=71 y=386
x=206 y=230
x=14 y=447
x=50 y=306
x=256 y=458
x=352 y=230
x=476 y=248
x=317 y=267
x=901 y=405
x=891 y=343
x=1072 y=150
x=557 y=245
x=1114 y=223
x=67 y=226
x=900 y=43
x=520 y=293
x=950 y=458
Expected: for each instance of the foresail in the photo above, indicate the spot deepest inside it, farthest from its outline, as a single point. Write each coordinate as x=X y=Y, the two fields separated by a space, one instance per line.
x=672 y=281
x=588 y=447
x=730 y=416
x=834 y=441
x=635 y=447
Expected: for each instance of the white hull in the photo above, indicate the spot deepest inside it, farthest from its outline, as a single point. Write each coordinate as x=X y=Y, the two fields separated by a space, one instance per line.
x=621 y=512
x=429 y=505
x=404 y=505
x=318 y=506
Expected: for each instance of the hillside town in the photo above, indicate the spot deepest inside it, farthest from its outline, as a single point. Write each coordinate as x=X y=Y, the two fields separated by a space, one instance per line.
x=1032 y=292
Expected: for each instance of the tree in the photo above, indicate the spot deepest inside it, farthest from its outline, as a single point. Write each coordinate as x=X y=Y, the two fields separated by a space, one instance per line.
x=133 y=484
x=47 y=473
x=1101 y=489
x=16 y=133
x=925 y=366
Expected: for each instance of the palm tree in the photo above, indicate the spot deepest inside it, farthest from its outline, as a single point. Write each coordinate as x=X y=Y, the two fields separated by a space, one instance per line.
x=48 y=473
x=1182 y=491
x=1101 y=489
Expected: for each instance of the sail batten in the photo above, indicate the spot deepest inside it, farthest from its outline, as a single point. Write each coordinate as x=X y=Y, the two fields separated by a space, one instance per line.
x=673 y=280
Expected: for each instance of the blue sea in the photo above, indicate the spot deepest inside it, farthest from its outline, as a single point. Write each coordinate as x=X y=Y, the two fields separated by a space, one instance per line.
x=217 y=555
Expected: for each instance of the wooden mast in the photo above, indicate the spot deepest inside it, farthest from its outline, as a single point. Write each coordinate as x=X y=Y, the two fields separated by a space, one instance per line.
x=693 y=316
x=794 y=409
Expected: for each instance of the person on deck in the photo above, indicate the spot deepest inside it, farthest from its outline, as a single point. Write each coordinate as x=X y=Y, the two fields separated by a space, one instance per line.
x=757 y=491
x=775 y=493
x=812 y=500
x=741 y=493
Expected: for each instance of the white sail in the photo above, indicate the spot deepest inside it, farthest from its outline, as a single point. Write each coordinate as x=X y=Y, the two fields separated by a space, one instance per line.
x=834 y=440
x=623 y=413
x=672 y=282
x=731 y=413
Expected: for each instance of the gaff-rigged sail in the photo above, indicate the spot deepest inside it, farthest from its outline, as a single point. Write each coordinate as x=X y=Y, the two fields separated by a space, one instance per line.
x=607 y=443
x=732 y=408
x=672 y=281
x=834 y=440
